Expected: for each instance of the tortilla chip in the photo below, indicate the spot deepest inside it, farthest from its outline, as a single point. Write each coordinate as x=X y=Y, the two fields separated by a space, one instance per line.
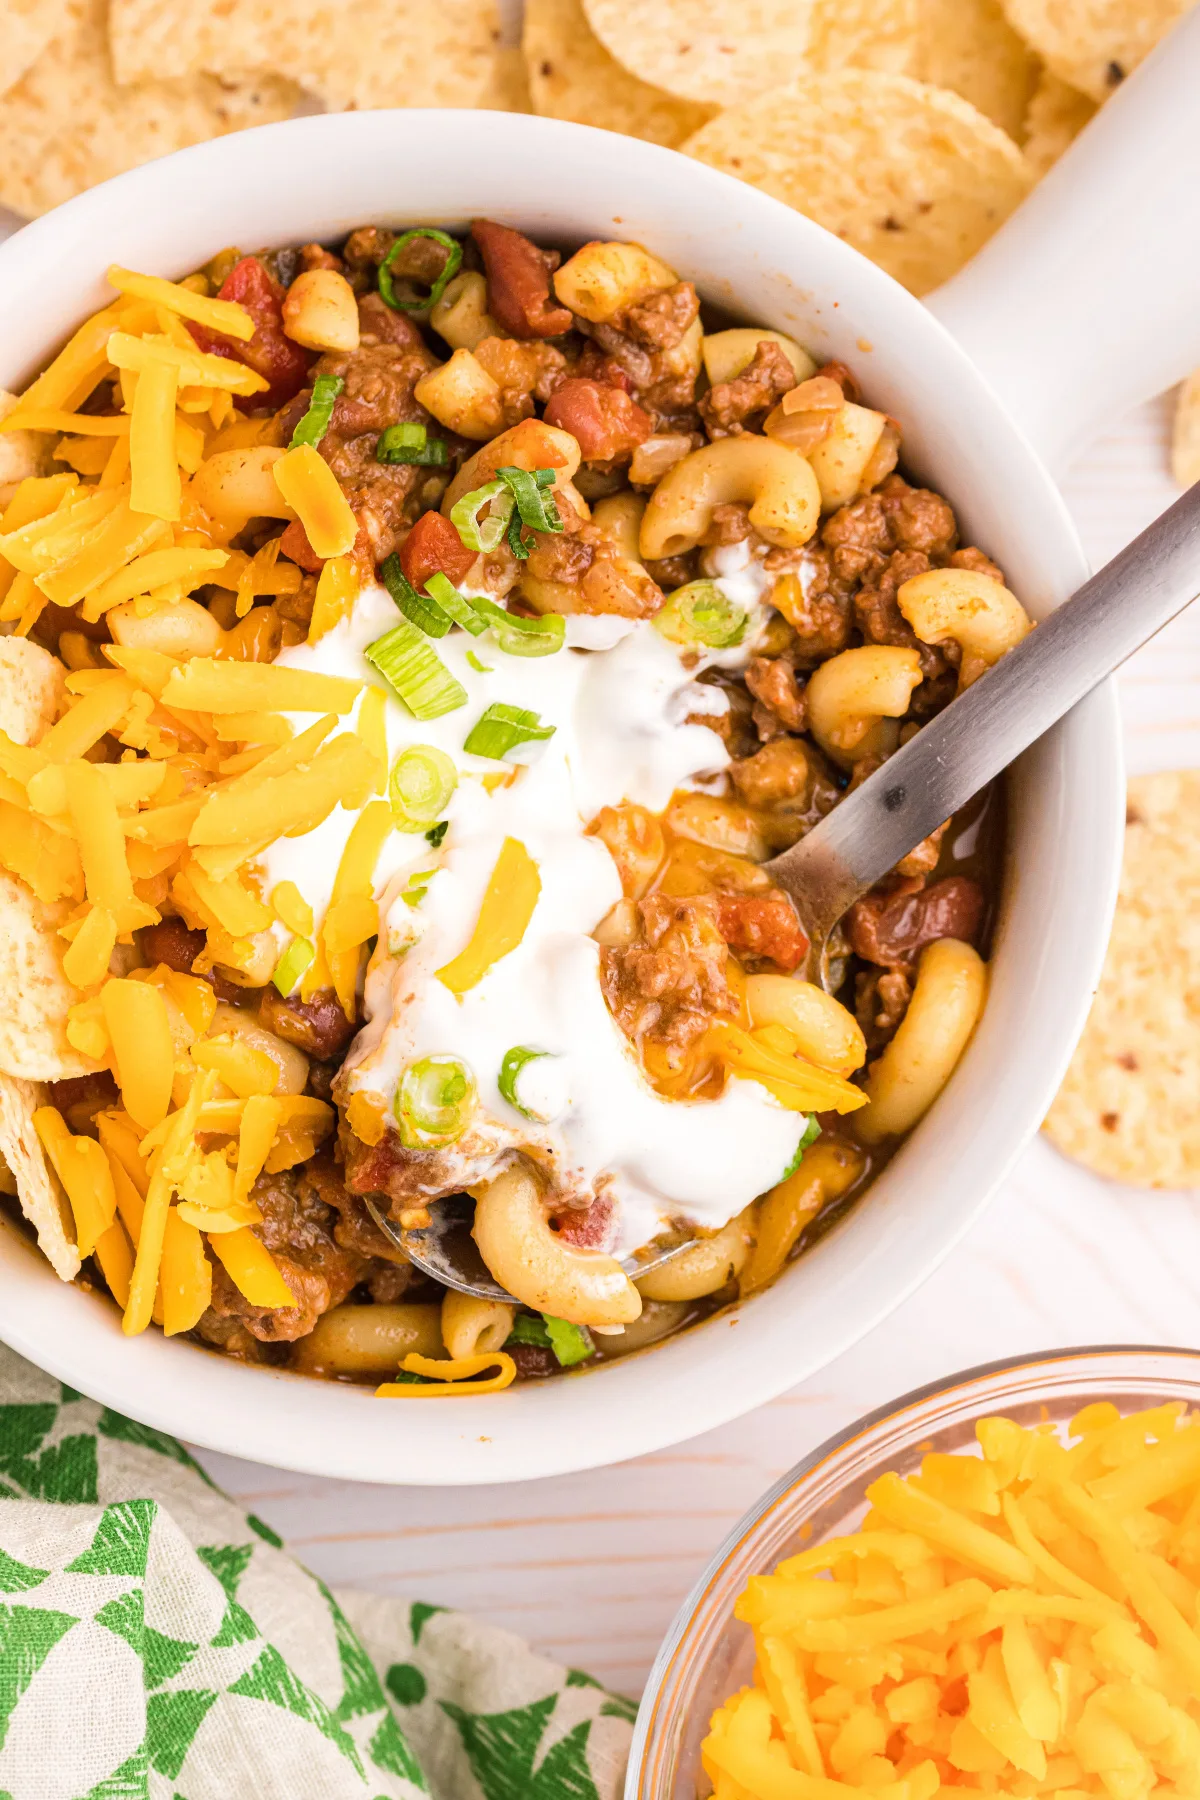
x=34 y=992
x=572 y=76
x=911 y=175
x=1094 y=44
x=965 y=45
x=720 y=51
x=1127 y=1108
x=508 y=89
x=66 y=125
x=31 y=689
x=26 y=27
x=42 y=1199
x=1185 y=435
x=1055 y=116
x=22 y=453
x=378 y=53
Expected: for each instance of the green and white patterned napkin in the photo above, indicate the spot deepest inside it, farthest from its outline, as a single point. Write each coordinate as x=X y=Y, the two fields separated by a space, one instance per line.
x=158 y=1644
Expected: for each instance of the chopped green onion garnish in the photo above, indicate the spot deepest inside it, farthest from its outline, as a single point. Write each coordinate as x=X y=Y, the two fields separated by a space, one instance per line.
x=417 y=886
x=536 y=507
x=464 y=516
x=411 y=443
x=292 y=964
x=481 y=668
x=421 y=782
x=526 y=1329
x=315 y=423
x=440 y=588
x=434 y=1102
x=700 y=614
x=502 y=728
x=570 y=1343
x=437 y=833
x=418 y=609
x=522 y=637
x=514 y=1061
x=409 y=664
x=516 y=538
x=410 y=1378
x=812 y=1132
x=452 y=265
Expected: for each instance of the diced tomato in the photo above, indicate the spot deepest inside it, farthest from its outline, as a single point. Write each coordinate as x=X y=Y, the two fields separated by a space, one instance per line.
x=434 y=544
x=603 y=420
x=763 y=925
x=270 y=353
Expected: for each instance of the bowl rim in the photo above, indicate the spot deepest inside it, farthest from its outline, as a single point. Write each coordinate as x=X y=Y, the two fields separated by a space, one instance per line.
x=531 y=1434
x=891 y=1412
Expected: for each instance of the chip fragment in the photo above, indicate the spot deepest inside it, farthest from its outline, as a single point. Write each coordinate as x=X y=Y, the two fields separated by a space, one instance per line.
x=425 y=53
x=31 y=689
x=42 y=1199
x=26 y=27
x=1094 y=44
x=967 y=46
x=572 y=76
x=721 y=51
x=912 y=176
x=1185 y=433
x=1056 y=114
x=1127 y=1108
x=22 y=453
x=34 y=993
x=66 y=125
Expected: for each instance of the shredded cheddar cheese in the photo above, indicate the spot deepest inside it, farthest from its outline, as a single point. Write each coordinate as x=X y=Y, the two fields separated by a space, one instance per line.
x=311 y=489
x=508 y=904
x=1018 y=1623
x=459 y=1376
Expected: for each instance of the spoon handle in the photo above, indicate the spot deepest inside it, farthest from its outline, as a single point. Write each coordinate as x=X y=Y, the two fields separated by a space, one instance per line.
x=1001 y=714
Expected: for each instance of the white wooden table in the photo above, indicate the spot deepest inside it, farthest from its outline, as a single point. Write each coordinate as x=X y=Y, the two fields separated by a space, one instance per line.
x=592 y=1567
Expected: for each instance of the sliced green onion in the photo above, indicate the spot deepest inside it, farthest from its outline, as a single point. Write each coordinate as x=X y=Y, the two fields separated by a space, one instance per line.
x=437 y=833
x=410 y=1378
x=516 y=538
x=570 y=1343
x=411 y=443
x=421 y=782
x=700 y=614
x=811 y=1133
x=440 y=588
x=502 y=728
x=419 y=609
x=481 y=668
x=292 y=964
x=434 y=1102
x=315 y=423
x=408 y=663
x=464 y=516
x=534 y=503
x=514 y=1061
x=526 y=1329
x=417 y=304
x=522 y=637
x=417 y=886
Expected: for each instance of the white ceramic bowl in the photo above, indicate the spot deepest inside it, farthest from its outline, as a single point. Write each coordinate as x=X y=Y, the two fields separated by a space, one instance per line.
x=317 y=178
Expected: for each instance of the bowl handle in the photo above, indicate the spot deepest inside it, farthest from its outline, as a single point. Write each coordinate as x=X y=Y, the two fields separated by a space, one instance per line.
x=1087 y=301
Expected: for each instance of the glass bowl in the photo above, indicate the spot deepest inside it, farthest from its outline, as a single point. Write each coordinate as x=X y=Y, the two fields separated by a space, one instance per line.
x=707 y=1654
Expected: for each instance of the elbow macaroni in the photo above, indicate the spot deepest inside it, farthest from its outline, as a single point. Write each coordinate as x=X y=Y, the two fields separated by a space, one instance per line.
x=825 y=1032
x=462 y=396
x=620 y=519
x=975 y=610
x=461 y=315
x=529 y=445
x=602 y=280
x=321 y=312
x=369 y=1340
x=727 y=353
x=472 y=1326
x=841 y=460
x=906 y=1080
x=183 y=629
x=541 y=1269
x=235 y=486
x=704 y=1266
x=855 y=699
x=785 y=501
x=828 y=1170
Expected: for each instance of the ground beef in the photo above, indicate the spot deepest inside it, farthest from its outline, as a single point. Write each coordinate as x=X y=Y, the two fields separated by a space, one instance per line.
x=533 y=1360
x=880 y=619
x=318 y=1026
x=727 y=407
x=772 y=681
x=729 y=524
x=379 y=323
x=297 y=1228
x=355 y=1230
x=891 y=929
x=837 y=371
x=881 y=1000
x=977 y=563
x=861 y=536
x=923 y=859
x=661 y=320
x=819 y=610
x=315 y=256
x=581 y=570
x=781 y=770
x=669 y=987
x=362 y=254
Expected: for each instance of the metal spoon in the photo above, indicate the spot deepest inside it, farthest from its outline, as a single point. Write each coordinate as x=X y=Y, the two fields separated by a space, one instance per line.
x=987 y=727
x=927 y=781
